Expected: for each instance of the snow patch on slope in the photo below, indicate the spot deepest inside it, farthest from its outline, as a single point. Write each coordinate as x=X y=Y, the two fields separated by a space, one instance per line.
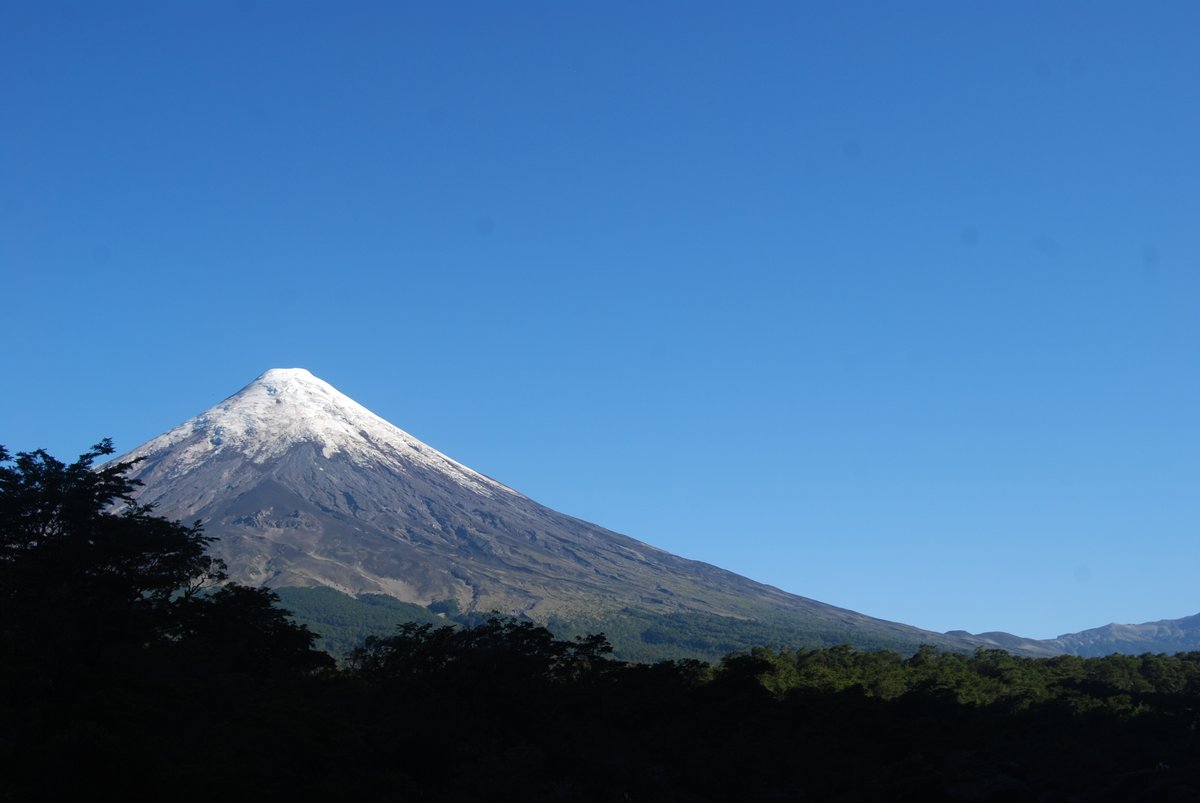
x=289 y=406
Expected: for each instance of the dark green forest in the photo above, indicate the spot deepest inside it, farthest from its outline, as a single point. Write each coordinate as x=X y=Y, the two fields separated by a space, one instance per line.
x=131 y=667
x=641 y=636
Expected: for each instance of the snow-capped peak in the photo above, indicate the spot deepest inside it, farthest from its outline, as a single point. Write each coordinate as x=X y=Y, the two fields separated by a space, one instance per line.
x=288 y=406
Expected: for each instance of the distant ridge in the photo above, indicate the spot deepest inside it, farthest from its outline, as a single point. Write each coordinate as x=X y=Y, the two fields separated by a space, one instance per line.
x=1166 y=635
x=1007 y=641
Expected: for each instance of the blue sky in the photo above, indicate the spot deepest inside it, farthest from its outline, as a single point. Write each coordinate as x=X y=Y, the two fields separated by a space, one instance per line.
x=895 y=306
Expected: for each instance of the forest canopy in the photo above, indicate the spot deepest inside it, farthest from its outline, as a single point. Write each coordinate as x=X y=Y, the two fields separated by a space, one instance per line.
x=128 y=662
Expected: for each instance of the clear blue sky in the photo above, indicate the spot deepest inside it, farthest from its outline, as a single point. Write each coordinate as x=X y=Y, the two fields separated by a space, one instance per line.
x=893 y=305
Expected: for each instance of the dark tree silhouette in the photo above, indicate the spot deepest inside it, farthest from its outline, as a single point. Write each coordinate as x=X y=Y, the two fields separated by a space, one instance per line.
x=497 y=652
x=90 y=579
x=129 y=668
x=84 y=570
x=241 y=629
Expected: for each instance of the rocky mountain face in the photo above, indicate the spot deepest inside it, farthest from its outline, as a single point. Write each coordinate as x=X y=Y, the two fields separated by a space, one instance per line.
x=304 y=487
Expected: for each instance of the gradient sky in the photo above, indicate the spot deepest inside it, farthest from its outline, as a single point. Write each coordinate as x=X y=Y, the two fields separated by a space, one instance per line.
x=892 y=305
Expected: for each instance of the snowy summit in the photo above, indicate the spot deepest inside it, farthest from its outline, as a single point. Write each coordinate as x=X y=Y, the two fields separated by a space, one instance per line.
x=286 y=407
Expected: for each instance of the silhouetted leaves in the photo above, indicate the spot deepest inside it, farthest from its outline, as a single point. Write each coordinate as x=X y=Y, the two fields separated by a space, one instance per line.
x=85 y=572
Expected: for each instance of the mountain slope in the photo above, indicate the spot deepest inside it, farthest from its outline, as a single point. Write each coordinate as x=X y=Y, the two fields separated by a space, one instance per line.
x=305 y=487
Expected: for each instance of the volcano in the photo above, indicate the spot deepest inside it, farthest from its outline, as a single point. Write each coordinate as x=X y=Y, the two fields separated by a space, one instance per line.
x=302 y=487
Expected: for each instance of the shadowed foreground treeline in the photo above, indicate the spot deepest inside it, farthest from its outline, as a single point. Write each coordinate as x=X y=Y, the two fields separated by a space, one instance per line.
x=130 y=669
x=505 y=711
